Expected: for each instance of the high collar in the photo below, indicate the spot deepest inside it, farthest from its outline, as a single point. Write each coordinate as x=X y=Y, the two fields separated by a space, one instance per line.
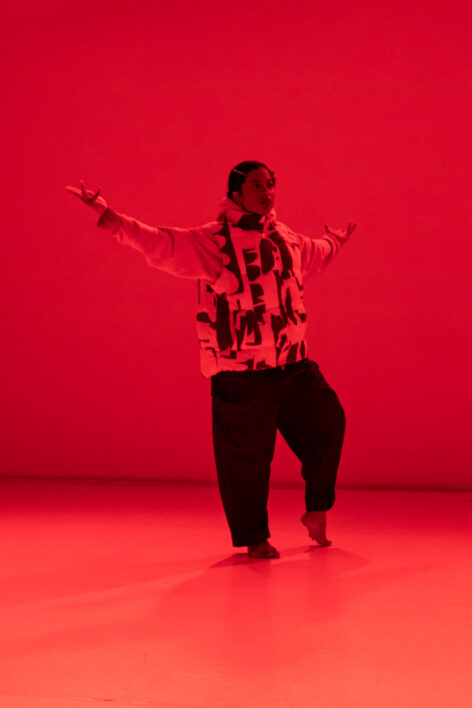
x=234 y=214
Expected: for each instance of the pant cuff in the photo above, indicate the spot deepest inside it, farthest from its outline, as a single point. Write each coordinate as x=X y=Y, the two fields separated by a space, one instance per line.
x=320 y=505
x=251 y=540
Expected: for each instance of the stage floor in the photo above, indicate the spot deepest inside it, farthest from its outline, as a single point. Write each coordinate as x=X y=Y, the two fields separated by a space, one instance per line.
x=116 y=594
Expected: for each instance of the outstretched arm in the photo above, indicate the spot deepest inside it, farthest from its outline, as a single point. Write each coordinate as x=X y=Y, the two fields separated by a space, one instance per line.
x=318 y=252
x=188 y=253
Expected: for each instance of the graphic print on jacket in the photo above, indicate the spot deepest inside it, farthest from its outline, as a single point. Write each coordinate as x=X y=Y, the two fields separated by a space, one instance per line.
x=253 y=317
x=249 y=268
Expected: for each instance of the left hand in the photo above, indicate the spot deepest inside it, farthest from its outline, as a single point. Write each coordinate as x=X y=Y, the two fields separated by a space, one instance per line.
x=346 y=233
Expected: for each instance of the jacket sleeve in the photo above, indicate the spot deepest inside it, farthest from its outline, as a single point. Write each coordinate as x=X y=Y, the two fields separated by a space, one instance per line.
x=318 y=252
x=188 y=253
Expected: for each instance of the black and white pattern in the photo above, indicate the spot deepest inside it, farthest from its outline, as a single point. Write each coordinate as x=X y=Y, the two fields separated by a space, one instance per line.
x=252 y=317
x=250 y=272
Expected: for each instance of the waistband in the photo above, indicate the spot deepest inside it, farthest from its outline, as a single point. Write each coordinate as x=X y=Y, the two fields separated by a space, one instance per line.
x=269 y=371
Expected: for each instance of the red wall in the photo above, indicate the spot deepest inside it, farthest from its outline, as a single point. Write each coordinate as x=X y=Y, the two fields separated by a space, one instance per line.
x=361 y=108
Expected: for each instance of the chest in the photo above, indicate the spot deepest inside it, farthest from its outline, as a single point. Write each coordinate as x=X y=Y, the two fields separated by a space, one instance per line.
x=262 y=269
x=259 y=257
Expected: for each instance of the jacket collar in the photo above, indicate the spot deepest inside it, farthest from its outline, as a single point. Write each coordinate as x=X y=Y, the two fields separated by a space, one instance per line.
x=231 y=212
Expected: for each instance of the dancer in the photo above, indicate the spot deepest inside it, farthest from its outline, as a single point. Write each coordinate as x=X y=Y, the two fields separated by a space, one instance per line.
x=251 y=324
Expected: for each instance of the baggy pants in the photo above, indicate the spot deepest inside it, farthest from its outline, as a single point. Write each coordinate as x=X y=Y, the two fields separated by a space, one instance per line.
x=248 y=408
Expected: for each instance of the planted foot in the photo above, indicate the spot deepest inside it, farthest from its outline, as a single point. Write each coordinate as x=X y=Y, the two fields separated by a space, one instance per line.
x=263 y=550
x=315 y=521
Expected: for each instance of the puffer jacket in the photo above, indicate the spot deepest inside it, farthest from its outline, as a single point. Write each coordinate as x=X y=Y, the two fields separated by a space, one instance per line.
x=250 y=271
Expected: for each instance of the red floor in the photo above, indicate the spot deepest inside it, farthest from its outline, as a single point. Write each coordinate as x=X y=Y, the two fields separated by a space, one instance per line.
x=131 y=595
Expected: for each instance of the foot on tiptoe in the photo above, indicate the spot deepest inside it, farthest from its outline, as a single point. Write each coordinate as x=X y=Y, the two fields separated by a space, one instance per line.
x=315 y=521
x=263 y=550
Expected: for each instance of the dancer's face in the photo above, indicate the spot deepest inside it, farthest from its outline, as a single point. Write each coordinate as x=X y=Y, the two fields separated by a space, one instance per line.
x=257 y=192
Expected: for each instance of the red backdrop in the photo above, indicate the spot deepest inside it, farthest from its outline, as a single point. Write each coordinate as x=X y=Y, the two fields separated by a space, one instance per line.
x=363 y=111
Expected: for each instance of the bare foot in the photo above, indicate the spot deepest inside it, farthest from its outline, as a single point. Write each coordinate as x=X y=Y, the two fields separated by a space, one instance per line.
x=263 y=550
x=315 y=521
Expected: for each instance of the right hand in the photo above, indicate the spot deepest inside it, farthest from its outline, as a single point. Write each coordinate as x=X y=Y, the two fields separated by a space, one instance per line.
x=87 y=196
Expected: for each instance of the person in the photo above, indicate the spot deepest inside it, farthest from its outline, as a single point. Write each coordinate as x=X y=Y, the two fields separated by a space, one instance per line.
x=251 y=324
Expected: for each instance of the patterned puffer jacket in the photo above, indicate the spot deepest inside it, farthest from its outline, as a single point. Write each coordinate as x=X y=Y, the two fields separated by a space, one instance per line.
x=250 y=272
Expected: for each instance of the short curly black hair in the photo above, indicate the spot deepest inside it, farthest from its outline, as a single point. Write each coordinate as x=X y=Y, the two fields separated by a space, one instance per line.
x=237 y=176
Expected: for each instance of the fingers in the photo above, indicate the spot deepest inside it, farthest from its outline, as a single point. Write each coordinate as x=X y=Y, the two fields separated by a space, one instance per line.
x=74 y=191
x=86 y=194
x=93 y=200
x=350 y=228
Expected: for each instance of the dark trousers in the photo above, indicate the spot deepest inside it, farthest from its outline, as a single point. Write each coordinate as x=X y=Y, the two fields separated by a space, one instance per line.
x=248 y=409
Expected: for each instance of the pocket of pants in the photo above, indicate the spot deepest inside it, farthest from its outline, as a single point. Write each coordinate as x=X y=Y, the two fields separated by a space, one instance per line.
x=234 y=425
x=233 y=387
x=311 y=378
